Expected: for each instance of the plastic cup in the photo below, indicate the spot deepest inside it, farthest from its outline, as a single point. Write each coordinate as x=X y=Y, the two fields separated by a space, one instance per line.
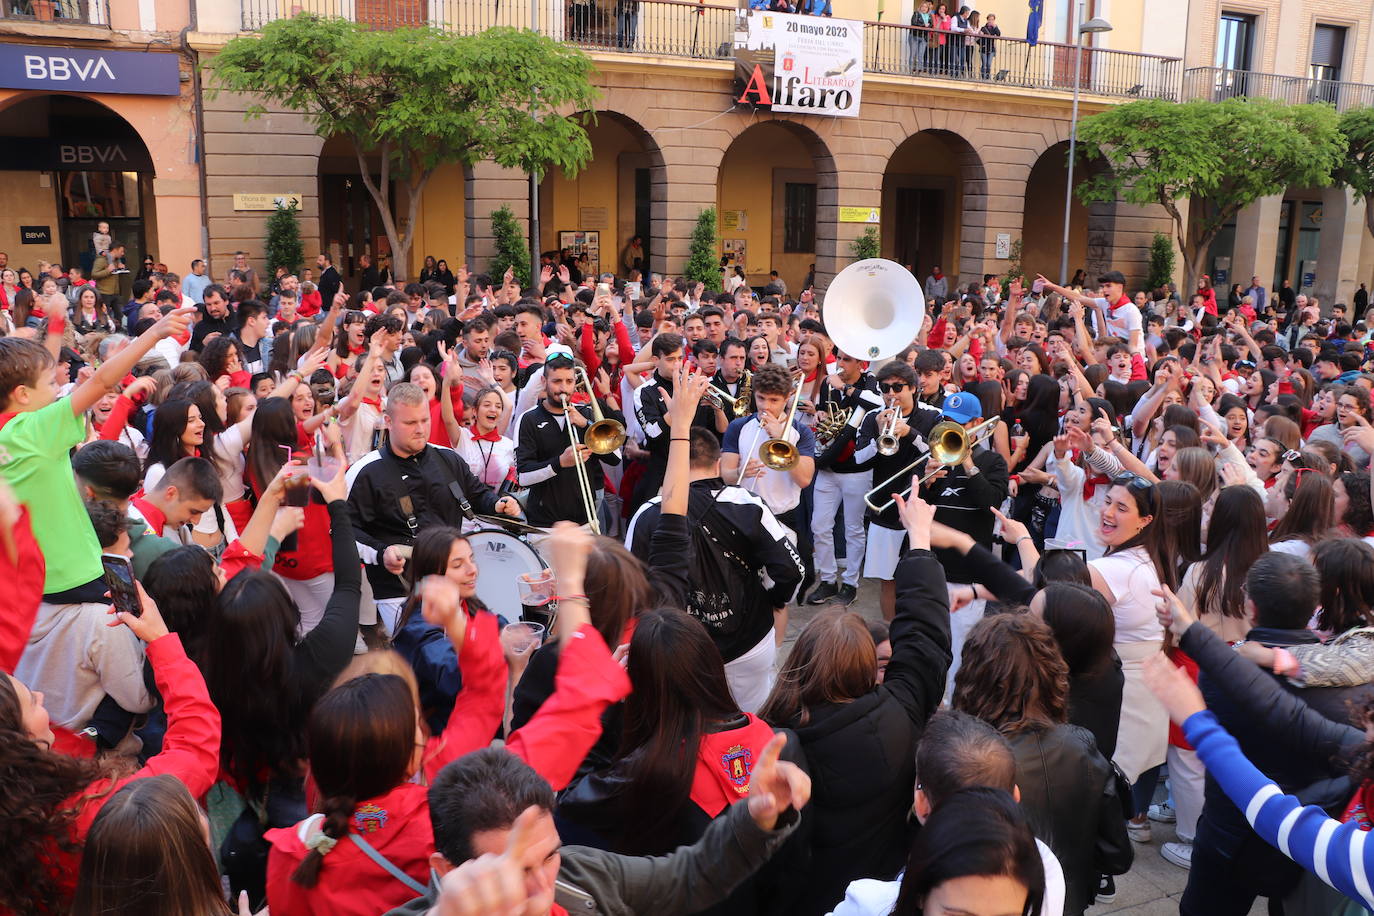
x=323 y=469
x=519 y=638
x=536 y=588
x=296 y=490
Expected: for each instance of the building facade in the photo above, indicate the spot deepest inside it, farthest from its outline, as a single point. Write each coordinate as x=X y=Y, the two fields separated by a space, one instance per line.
x=1295 y=51
x=953 y=168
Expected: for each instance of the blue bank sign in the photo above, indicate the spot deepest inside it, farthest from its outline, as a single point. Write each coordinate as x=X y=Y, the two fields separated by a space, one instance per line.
x=76 y=70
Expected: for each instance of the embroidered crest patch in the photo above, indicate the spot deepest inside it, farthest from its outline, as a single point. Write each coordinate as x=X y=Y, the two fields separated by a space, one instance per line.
x=369 y=818
x=739 y=763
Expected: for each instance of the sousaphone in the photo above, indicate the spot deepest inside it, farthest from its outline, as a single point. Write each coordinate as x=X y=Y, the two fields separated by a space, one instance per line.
x=873 y=309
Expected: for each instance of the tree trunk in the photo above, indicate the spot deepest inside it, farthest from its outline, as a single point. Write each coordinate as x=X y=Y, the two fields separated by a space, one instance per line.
x=381 y=196
x=1369 y=213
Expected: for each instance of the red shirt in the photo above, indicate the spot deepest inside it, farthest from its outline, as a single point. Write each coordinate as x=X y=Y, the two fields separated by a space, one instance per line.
x=314 y=553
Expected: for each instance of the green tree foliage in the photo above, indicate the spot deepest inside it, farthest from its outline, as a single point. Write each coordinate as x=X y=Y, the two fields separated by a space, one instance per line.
x=867 y=245
x=511 y=250
x=1015 y=269
x=702 y=262
x=1219 y=156
x=1357 y=168
x=1161 y=262
x=413 y=99
x=284 y=248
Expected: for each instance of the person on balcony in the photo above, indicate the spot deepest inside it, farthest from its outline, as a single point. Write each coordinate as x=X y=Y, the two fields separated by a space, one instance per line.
x=918 y=38
x=626 y=22
x=939 y=44
x=987 y=45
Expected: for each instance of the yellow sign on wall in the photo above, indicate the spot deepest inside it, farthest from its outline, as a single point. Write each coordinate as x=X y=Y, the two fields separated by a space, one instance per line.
x=859 y=214
x=266 y=201
x=734 y=220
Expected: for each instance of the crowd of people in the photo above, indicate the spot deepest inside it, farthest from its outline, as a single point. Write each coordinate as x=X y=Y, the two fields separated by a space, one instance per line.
x=265 y=645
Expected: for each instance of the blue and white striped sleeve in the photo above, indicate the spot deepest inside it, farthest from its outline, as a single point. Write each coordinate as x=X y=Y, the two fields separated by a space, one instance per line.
x=1339 y=854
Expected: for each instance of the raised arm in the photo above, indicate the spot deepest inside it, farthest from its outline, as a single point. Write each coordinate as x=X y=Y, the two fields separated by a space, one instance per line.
x=114 y=369
x=921 y=653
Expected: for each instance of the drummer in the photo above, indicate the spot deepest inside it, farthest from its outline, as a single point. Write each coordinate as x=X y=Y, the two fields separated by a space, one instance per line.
x=544 y=456
x=405 y=486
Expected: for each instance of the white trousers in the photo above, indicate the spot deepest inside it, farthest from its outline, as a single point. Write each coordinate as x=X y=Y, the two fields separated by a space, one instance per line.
x=960 y=623
x=751 y=675
x=1186 y=780
x=832 y=493
x=311 y=596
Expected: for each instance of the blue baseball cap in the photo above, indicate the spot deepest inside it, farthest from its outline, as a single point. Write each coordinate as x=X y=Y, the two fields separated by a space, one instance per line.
x=962 y=406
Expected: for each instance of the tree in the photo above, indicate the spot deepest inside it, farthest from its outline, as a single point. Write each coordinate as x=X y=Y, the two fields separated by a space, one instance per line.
x=867 y=245
x=284 y=248
x=511 y=250
x=702 y=263
x=1161 y=262
x=1219 y=156
x=1356 y=170
x=414 y=99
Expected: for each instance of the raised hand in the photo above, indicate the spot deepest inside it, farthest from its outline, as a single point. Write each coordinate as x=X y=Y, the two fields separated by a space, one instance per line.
x=492 y=885
x=147 y=627
x=442 y=606
x=1173 y=614
x=776 y=785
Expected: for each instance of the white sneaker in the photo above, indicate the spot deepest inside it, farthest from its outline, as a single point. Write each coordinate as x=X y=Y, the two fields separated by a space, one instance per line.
x=1163 y=813
x=1139 y=831
x=1180 y=854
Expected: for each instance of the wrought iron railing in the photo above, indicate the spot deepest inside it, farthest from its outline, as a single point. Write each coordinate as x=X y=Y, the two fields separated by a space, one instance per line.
x=679 y=28
x=64 y=12
x=1217 y=84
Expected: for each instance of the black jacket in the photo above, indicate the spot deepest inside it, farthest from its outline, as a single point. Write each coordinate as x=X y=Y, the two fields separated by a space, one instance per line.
x=965 y=502
x=862 y=754
x=921 y=420
x=330 y=283
x=207 y=325
x=1069 y=794
x=744 y=538
x=1286 y=740
x=856 y=401
x=555 y=495
x=392 y=499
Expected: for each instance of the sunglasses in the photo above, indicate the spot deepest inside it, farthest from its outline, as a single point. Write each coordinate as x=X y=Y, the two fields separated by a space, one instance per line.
x=1292 y=455
x=892 y=387
x=554 y=358
x=1132 y=482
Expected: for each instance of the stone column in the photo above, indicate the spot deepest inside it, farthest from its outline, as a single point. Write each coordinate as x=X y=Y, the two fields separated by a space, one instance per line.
x=489 y=186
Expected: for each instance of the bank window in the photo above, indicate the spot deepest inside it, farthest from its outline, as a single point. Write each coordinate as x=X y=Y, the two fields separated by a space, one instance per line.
x=799 y=218
x=1328 y=51
x=1235 y=41
x=100 y=195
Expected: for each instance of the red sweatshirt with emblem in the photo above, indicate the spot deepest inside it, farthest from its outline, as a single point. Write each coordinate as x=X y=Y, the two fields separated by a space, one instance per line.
x=397 y=823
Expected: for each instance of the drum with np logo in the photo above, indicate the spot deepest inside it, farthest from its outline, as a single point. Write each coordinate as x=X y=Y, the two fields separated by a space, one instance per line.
x=501 y=558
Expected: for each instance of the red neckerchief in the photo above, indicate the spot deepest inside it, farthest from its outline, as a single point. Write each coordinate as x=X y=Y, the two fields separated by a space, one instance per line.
x=493 y=436
x=725 y=761
x=1090 y=481
x=1229 y=375
x=1113 y=306
x=356 y=351
x=375 y=402
x=155 y=517
x=1269 y=484
x=6 y=417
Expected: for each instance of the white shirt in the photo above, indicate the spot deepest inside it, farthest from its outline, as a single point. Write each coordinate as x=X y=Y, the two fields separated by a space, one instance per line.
x=1123 y=321
x=490 y=461
x=1131 y=576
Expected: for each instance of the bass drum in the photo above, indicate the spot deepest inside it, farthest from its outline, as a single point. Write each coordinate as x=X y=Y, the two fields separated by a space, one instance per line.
x=500 y=559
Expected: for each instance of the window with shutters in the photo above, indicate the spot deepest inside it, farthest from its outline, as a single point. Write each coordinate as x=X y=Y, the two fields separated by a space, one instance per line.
x=799 y=218
x=1328 y=52
x=1235 y=41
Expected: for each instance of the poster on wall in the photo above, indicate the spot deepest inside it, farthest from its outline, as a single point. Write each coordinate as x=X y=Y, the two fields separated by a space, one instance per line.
x=798 y=64
x=581 y=242
x=732 y=251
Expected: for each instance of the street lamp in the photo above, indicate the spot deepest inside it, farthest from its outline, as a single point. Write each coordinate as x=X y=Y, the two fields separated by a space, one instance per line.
x=1092 y=26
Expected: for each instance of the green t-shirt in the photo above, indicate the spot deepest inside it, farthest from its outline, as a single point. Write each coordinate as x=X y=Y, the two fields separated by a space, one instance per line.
x=35 y=459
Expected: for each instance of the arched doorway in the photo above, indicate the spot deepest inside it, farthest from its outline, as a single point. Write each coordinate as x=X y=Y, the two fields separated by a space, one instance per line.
x=1090 y=225
x=934 y=194
x=775 y=181
x=610 y=201
x=66 y=164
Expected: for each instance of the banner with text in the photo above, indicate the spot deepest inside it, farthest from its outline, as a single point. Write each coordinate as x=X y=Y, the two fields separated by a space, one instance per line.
x=799 y=64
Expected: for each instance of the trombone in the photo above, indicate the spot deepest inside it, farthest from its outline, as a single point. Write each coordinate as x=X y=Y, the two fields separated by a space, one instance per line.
x=780 y=454
x=584 y=483
x=603 y=436
x=950 y=444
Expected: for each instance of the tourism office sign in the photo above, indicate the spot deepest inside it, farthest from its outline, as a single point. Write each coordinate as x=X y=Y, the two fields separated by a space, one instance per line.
x=798 y=64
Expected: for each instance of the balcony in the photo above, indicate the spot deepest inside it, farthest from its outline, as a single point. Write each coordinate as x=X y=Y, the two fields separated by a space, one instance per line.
x=677 y=28
x=1217 y=84
x=58 y=12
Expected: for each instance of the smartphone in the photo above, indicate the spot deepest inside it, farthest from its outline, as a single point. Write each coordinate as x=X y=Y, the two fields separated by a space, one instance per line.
x=119 y=577
x=1037 y=286
x=603 y=289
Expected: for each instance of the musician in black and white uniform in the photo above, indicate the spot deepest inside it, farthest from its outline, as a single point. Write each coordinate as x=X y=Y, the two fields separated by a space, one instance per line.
x=897 y=384
x=756 y=563
x=841 y=483
x=651 y=411
x=739 y=462
x=730 y=373
x=544 y=458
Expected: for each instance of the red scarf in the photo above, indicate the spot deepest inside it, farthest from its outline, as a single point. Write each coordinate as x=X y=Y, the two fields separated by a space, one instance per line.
x=356 y=351
x=375 y=402
x=493 y=436
x=154 y=516
x=725 y=761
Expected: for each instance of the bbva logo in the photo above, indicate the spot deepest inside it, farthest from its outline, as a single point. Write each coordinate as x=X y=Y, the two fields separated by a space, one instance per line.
x=41 y=67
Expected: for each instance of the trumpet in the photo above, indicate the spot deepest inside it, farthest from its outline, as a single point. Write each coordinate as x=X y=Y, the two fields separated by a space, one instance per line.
x=603 y=436
x=950 y=444
x=830 y=422
x=779 y=454
x=888 y=443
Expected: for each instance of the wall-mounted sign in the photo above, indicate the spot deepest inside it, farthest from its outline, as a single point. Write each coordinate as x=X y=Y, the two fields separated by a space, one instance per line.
x=76 y=154
x=79 y=70
x=860 y=215
x=266 y=201
x=798 y=64
x=594 y=217
x=35 y=235
x=734 y=220
x=1003 y=245
x=581 y=242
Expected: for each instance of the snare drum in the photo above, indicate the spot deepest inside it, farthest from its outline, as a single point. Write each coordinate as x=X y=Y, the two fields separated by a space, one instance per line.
x=500 y=559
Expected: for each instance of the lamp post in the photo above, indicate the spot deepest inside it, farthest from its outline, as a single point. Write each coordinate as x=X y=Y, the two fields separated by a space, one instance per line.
x=1092 y=26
